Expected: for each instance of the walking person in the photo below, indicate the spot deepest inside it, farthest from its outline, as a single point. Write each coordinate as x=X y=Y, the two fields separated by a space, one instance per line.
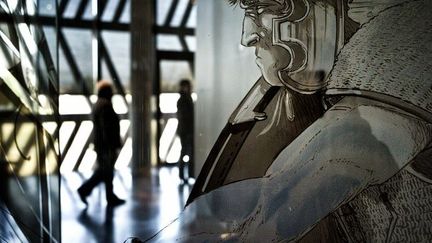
x=106 y=143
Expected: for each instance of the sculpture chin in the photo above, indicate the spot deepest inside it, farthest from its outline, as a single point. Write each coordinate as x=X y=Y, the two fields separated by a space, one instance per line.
x=272 y=79
x=270 y=76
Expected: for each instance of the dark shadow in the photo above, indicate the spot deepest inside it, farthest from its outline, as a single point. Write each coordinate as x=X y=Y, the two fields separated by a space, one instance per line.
x=101 y=232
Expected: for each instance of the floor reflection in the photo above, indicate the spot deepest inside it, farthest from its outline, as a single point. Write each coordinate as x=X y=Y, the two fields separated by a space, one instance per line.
x=151 y=204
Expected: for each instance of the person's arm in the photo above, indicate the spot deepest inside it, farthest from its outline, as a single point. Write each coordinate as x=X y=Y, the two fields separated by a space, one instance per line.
x=357 y=143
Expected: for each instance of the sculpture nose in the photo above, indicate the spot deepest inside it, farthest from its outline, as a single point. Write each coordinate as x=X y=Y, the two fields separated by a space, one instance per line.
x=250 y=36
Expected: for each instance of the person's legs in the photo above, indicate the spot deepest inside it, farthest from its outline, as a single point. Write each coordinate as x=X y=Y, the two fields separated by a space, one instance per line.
x=181 y=162
x=108 y=176
x=187 y=150
x=87 y=187
x=108 y=180
x=190 y=153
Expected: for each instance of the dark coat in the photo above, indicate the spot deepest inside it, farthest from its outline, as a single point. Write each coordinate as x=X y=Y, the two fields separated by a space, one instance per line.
x=106 y=127
x=185 y=115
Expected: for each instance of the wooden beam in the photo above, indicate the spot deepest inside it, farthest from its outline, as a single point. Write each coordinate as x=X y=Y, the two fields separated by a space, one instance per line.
x=81 y=8
x=143 y=66
x=62 y=7
x=119 y=11
x=175 y=55
x=171 y=12
x=79 y=79
x=186 y=14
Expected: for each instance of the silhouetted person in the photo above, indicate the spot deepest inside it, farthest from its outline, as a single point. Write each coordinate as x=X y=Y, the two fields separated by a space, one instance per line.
x=185 y=130
x=106 y=134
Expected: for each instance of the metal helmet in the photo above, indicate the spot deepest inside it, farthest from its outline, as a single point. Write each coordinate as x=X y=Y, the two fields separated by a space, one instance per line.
x=312 y=32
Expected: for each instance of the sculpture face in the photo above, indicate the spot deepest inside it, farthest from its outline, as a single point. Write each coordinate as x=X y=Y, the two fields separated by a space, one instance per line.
x=257 y=32
x=292 y=46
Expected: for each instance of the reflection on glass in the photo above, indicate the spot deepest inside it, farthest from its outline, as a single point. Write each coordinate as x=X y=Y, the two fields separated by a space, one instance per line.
x=29 y=152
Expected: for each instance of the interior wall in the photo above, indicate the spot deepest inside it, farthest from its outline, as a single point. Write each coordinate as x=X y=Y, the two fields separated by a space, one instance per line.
x=225 y=71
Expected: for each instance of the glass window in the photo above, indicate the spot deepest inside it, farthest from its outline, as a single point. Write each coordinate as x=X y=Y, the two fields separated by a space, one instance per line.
x=71 y=9
x=110 y=10
x=47 y=7
x=118 y=48
x=28 y=143
x=172 y=72
x=191 y=43
x=162 y=9
x=125 y=17
x=191 y=23
x=168 y=43
x=80 y=44
x=179 y=13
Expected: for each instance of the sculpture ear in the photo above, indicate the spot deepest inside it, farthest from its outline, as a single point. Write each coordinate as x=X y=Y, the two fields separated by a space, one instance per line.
x=299 y=10
x=299 y=56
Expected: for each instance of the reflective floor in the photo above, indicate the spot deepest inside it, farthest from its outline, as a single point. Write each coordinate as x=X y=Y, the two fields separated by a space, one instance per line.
x=151 y=204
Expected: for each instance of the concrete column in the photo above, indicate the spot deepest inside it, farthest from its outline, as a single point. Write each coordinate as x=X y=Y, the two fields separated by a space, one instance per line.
x=143 y=74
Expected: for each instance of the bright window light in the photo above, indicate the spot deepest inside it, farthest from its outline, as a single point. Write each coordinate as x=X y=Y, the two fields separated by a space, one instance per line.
x=93 y=98
x=65 y=133
x=50 y=127
x=174 y=153
x=124 y=126
x=119 y=104
x=168 y=102
x=167 y=137
x=77 y=146
x=128 y=98
x=73 y=104
x=125 y=156
x=88 y=161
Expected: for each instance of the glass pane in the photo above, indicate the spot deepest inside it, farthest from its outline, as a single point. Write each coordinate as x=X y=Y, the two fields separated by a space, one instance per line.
x=191 y=43
x=171 y=74
x=74 y=104
x=168 y=43
x=71 y=9
x=118 y=47
x=80 y=44
x=110 y=9
x=51 y=37
x=125 y=17
x=192 y=21
x=179 y=13
x=47 y=7
x=162 y=8
x=88 y=13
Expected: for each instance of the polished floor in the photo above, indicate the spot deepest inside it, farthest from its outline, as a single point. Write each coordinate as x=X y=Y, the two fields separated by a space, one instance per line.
x=151 y=203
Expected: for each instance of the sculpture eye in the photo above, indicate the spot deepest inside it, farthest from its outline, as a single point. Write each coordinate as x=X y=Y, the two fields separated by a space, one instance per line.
x=260 y=10
x=251 y=13
x=270 y=7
